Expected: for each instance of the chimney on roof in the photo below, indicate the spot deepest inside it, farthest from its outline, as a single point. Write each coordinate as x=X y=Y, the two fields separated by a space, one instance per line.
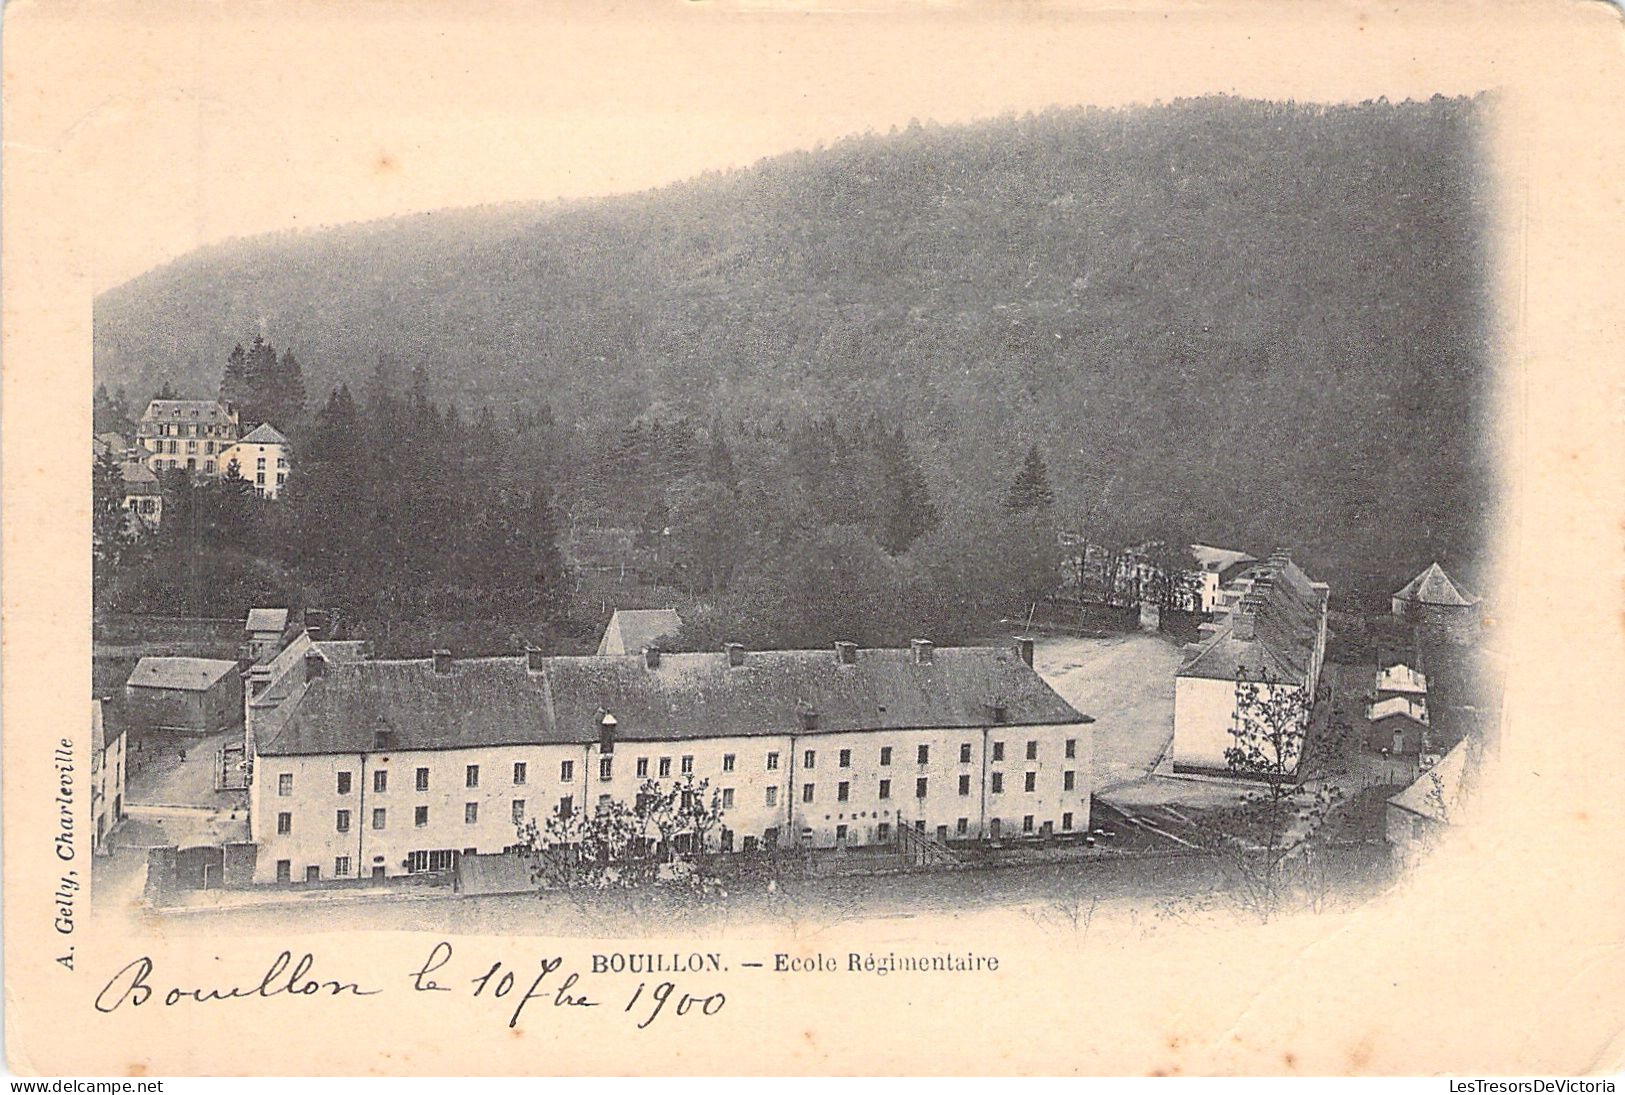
x=808 y=716
x=245 y=658
x=442 y=661
x=1244 y=620
x=1024 y=647
x=846 y=653
x=315 y=665
x=533 y=658
x=997 y=711
x=922 y=650
x=735 y=652
x=651 y=657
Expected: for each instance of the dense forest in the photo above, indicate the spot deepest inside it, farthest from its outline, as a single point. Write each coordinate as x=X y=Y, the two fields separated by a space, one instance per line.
x=1263 y=323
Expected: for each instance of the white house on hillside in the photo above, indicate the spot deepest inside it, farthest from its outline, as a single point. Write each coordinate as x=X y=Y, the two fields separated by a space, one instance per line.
x=262 y=458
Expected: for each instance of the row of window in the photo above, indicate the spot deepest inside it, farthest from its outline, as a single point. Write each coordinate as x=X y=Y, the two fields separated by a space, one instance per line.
x=843 y=790
x=420 y=816
x=188 y=430
x=521 y=770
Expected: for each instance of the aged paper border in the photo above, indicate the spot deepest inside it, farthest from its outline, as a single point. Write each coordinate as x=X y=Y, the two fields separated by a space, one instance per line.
x=1506 y=954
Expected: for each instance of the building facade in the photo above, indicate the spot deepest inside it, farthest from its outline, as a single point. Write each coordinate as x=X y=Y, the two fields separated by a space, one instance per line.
x=399 y=767
x=107 y=759
x=263 y=457
x=1270 y=637
x=187 y=434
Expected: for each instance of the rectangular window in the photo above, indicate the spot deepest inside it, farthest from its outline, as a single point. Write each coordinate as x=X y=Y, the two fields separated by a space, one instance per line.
x=260 y=463
x=344 y=783
x=919 y=788
x=567 y=806
x=208 y=466
x=998 y=751
x=885 y=788
x=471 y=777
x=1069 y=781
x=727 y=762
x=284 y=784
x=964 y=753
x=1031 y=782
x=964 y=785
x=809 y=760
x=772 y=762
x=925 y=754
x=688 y=766
x=1066 y=821
x=998 y=783
x=846 y=758
x=1071 y=748
x=420 y=816
x=843 y=791
x=1032 y=750
x=727 y=798
x=567 y=771
x=259 y=479
x=423 y=779
x=883 y=831
x=518 y=811
x=885 y=756
x=521 y=772
x=606 y=769
x=643 y=767
x=772 y=796
x=342 y=821
x=378 y=818
x=840 y=834
x=341 y=866
x=380 y=782
x=1027 y=824
x=806 y=792
x=962 y=826
x=471 y=813
x=665 y=767
x=284 y=824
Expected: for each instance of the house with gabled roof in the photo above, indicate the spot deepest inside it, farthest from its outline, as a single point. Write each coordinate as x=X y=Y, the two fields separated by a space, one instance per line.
x=263 y=457
x=1273 y=636
x=185 y=695
x=391 y=767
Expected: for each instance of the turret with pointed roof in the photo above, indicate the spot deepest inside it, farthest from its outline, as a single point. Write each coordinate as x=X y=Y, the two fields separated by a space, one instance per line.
x=1437 y=602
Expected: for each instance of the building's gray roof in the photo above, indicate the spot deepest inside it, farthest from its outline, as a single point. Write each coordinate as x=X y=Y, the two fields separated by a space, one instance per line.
x=500 y=701
x=263 y=434
x=1437 y=792
x=175 y=410
x=1434 y=587
x=1286 y=628
x=639 y=627
x=1398 y=707
x=1217 y=559
x=266 y=619
x=185 y=674
x=139 y=479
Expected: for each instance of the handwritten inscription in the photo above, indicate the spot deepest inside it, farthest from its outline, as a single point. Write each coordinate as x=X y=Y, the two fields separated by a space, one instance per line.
x=513 y=988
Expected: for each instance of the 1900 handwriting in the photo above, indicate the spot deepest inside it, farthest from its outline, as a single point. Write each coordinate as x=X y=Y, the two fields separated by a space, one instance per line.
x=546 y=980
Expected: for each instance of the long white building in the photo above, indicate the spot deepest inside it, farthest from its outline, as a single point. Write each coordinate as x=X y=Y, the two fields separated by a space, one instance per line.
x=385 y=768
x=1271 y=627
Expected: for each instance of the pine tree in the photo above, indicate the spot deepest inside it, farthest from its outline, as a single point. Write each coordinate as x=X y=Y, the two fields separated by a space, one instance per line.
x=1030 y=489
x=109 y=524
x=906 y=509
x=235 y=390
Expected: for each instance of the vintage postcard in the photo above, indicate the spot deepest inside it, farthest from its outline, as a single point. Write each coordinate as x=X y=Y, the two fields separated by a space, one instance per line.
x=806 y=539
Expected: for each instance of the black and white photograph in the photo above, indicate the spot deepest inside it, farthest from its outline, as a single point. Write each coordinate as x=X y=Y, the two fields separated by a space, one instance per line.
x=694 y=489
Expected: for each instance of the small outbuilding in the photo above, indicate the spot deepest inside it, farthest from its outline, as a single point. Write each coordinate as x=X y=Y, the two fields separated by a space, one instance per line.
x=185 y=695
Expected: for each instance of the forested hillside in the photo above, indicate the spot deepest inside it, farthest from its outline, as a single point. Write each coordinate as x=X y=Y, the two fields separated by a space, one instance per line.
x=1265 y=324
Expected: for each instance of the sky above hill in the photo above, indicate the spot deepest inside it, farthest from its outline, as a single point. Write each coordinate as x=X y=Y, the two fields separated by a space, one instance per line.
x=233 y=122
